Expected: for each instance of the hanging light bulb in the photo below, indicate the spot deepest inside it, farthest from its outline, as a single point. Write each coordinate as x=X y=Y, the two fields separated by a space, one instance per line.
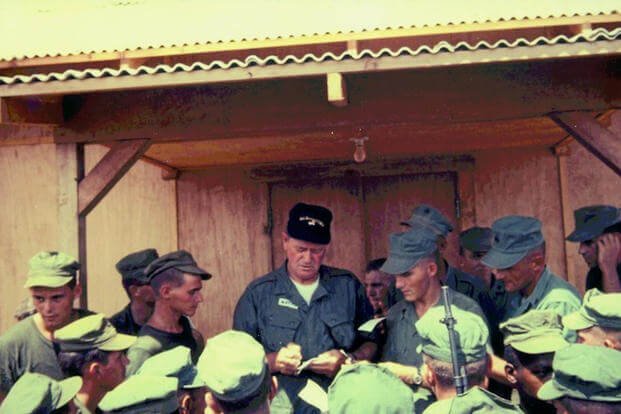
x=360 y=153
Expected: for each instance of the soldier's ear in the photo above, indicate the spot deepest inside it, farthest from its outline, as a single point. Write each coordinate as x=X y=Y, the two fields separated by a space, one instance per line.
x=511 y=374
x=428 y=375
x=185 y=403
x=273 y=388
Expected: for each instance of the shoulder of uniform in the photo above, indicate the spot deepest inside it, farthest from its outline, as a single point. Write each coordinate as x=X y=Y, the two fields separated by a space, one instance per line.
x=146 y=343
x=18 y=332
x=336 y=272
x=262 y=280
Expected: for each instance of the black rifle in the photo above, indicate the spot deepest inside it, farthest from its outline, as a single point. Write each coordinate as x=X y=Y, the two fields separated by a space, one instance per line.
x=459 y=372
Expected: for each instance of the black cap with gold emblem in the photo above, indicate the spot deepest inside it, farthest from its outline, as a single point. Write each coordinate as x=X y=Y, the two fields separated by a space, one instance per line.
x=310 y=223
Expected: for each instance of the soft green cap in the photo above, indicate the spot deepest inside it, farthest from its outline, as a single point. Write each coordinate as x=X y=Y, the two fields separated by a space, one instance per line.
x=407 y=248
x=133 y=265
x=35 y=393
x=93 y=331
x=598 y=309
x=180 y=260
x=51 y=269
x=176 y=362
x=142 y=394
x=369 y=388
x=475 y=400
x=535 y=332
x=591 y=221
x=476 y=239
x=471 y=332
x=233 y=365
x=584 y=372
x=514 y=237
x=431 y=218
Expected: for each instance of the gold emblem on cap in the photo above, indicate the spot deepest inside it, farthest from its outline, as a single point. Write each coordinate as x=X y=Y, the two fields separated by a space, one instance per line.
x=312 y=221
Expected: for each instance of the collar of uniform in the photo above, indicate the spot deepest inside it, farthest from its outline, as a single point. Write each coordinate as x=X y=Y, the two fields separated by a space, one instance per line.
x=284 y=285
x=408 y=312
x=531 y=301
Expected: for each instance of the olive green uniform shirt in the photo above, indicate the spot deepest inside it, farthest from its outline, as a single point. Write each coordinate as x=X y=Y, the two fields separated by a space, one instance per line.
x=475 y=400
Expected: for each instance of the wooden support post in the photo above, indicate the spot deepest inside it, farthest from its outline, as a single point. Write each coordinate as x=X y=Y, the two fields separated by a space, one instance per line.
x=4 y=111
x=466 y=196
x=562 y=152
x=121 y=157
x=72 y=227
x=337 y=89
x=604 y=143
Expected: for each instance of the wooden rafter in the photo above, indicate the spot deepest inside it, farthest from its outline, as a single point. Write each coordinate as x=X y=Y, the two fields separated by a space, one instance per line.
x=108 y=172
x=604 y=143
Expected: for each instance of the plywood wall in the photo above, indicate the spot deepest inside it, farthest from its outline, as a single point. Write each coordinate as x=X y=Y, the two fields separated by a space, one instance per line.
x=138 y=213
x=221 y=222
x=28 y=219
x=523 y=182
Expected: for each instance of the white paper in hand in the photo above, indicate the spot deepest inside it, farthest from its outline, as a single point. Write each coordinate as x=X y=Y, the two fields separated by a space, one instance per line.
x=314 y=395
x=304 y=365
x=369 y=325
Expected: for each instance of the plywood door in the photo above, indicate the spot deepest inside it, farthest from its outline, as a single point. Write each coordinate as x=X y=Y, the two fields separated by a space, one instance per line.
x=390 y=200
x=342 y=197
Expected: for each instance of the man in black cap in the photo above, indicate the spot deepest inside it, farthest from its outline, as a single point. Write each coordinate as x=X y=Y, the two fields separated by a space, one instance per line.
x=598 y=230
x=141 y=299
x=305 y=311
x=176 y=281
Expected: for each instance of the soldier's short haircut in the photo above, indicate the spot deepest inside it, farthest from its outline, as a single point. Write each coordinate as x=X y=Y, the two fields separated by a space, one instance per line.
x=475 y=371
x=575 y=405
x=375 y=264
x=73 y=363
x=170 y=276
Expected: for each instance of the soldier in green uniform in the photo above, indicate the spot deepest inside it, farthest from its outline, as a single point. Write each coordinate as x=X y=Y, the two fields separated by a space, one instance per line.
x=235 y=370
x=91 y=348
x=517 y=257
x=598 y=321
x=413 y=258
x=472 y=338
x=27 y=346
x=143 y=394
x=598 y=230
x=530 y=343
x=306 y=311
x=177 y=363
x=369 y=388
x=38 y=393
x=136 y=285
x=586 y=380
x=177 y=282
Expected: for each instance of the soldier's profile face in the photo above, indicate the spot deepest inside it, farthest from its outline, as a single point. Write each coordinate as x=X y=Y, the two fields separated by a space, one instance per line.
x=186 y=297
x=415 y=282
x=303 y=258
x=55 y=305
x=588 y=251
x=518 y=276
x=113 y=373
x=591 y=336
x=376 y=287
x=532 y=376
x=471 y=263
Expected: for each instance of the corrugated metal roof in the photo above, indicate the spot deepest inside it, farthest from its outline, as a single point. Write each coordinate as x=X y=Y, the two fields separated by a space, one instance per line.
x=441 y=47
x=39 y=28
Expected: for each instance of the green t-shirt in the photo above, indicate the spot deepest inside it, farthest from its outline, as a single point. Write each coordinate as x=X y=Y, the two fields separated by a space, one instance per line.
x=23 y=348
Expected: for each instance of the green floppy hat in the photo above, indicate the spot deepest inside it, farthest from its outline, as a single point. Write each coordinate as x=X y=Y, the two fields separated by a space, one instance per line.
x=598 y=309
x=584 y=372
x=407 y=248
x=51 y=270
x=535 y=332
x=514 y=237
x=591 y=221
x=38 y=393
x=90 y=332
x=176 y=362
x=141 y=394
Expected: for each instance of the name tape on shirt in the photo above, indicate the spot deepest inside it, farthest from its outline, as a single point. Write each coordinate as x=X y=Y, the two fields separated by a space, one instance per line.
x=286 y=303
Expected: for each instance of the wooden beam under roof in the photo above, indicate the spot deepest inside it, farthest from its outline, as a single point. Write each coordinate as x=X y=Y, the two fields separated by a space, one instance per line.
x=25 y=134
x=604 y=143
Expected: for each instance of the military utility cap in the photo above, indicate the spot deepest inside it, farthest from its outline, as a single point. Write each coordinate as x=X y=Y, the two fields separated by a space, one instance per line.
x=90 y=332
x=591 y=221
x=176 y=362
x=535 y=332
x=431 y=218
x=310 y=223
x=598 y=309
x=369 y=388
x=584 y=372
x=471 y=332
x=51 y=270
x=233 y=365
x=476 y=239
x=180 y=260
x=142 y=394
x=475 y=400
x=407 y=248
x=514 y=237
x=132 y=266
x=35 y=393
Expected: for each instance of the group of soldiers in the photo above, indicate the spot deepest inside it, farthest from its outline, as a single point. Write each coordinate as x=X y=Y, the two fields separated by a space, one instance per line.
x=497 y=333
